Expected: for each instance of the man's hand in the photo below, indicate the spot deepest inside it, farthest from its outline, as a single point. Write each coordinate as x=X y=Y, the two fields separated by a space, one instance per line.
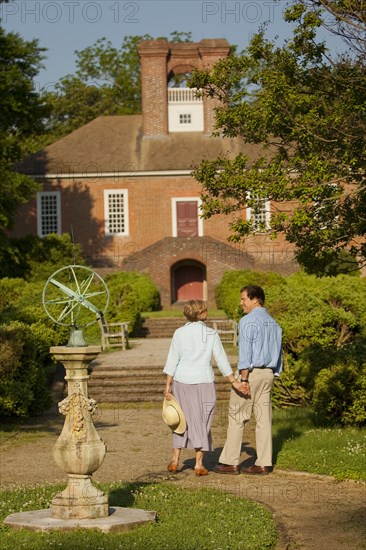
x=244 y=388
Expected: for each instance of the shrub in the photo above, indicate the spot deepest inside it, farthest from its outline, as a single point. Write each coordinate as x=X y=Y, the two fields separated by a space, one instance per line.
x=130 y=294
x=227 y=292
x=124 y=306
x=147 y=295
x=340 y=392
x=26 y=334
x=23 y=388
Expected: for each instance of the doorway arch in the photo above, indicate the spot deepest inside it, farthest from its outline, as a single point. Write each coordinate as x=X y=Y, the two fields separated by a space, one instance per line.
x=188 y=281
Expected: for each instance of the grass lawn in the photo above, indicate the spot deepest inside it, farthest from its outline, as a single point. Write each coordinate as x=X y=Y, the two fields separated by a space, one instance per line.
x=186 y=520
x=302 y=442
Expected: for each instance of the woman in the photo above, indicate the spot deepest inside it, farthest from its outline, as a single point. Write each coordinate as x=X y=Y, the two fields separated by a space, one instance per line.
x=191 y=379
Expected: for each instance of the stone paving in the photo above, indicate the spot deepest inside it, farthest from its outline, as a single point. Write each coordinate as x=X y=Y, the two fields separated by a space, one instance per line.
x=143 y=352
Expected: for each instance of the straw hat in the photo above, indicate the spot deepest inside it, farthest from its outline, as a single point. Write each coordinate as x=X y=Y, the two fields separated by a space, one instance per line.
x=173 y=415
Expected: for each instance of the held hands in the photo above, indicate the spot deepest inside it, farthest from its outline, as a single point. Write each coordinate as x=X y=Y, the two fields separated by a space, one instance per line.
x=242 y=387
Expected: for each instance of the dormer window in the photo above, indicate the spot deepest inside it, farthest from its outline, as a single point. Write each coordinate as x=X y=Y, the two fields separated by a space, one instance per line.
x=185 y=110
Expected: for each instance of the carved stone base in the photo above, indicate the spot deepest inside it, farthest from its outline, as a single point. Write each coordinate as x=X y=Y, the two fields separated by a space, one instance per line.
x=80 y=500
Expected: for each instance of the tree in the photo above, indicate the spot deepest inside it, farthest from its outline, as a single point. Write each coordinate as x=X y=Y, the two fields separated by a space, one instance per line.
x=22 y=113
x=308 y=112
x=107 y=82
x=348 y=20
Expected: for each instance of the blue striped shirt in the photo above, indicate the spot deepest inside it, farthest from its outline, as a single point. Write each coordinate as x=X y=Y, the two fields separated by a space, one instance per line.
x=260 y=341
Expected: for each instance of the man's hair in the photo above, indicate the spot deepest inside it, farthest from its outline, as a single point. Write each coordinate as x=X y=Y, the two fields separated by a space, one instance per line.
x=193 y=309
x=254 y=291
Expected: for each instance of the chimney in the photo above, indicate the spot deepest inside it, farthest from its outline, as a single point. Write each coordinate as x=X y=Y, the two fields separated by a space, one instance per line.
x=159 y=59
x=154 y=82
x=211 y=51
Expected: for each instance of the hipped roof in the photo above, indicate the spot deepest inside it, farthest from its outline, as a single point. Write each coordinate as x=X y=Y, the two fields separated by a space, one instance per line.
x=116 y=144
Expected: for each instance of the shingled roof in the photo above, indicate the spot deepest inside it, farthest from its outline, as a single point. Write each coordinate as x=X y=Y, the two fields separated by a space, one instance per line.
x=116 y=143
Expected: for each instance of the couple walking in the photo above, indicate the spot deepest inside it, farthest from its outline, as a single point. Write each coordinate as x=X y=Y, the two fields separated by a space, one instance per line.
x=191 y=392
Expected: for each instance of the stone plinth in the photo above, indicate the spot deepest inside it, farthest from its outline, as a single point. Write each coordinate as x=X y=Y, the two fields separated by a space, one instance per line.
x=119 y=519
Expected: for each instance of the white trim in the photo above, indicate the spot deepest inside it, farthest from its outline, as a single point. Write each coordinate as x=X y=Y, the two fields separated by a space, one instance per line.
x=174 y=214
x=123 y=192
x=57 y=195
x=184 y=95
x=131 y=174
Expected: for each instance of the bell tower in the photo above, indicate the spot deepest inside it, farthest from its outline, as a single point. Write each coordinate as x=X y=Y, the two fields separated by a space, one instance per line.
x=165 y=109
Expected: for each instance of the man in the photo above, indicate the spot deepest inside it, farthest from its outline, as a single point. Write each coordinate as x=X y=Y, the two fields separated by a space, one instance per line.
x=260 y=360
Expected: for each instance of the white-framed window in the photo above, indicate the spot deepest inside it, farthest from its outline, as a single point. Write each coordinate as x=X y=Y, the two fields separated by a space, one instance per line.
x=185 y=118
x=326 y=210
x=260 y=215
x=48 y=213
x=116 y=211
x=186 y=217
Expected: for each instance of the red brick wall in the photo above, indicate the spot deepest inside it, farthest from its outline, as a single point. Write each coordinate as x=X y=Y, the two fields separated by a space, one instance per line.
x=150 y=220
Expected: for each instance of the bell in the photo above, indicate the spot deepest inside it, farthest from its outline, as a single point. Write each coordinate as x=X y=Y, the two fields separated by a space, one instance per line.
x=76 y=339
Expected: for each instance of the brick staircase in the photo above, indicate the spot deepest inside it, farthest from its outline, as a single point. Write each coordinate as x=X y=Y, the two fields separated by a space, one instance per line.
x=164 y=327
x=160 y=327
x=138 y=384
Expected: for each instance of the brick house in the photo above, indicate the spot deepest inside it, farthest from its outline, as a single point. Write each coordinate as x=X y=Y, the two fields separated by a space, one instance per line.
x=122 y=185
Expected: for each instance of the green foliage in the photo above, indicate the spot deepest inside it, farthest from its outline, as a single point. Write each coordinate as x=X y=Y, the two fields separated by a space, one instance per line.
x=25 y=338
x=130 y=294
x=22 y=112
x=308 y=113
x=341 y=393
x=227 y=292
x=23 y=388
x=324 y=338
x=35 y=259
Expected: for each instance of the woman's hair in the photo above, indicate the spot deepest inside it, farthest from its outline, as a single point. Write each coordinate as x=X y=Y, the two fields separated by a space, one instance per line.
x=193 y=309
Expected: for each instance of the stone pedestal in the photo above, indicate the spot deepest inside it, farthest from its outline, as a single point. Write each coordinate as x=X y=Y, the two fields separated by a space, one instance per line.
x=79 y=451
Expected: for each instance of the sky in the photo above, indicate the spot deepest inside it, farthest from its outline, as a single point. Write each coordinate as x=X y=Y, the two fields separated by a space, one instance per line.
x=63 y=26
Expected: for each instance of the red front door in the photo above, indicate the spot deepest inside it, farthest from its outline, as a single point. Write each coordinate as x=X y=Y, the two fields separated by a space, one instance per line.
x=187 y=219
x=188 y=283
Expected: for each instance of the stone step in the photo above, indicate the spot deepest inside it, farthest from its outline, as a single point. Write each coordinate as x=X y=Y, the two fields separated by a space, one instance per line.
x=147 y=385
x=137 y=384
x=138 y=397
x=164 y=327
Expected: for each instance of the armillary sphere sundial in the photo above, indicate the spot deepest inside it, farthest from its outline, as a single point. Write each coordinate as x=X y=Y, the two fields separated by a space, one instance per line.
x=75 y=296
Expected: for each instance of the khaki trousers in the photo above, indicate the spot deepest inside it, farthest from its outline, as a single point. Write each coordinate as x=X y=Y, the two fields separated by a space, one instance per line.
x=240 y=411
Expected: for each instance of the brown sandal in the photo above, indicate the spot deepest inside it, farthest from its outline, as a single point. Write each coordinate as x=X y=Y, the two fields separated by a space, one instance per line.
x=172 y=467
x=201 y=471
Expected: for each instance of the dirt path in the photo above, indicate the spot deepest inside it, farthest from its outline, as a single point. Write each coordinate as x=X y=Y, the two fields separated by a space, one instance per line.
x=313 y=512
